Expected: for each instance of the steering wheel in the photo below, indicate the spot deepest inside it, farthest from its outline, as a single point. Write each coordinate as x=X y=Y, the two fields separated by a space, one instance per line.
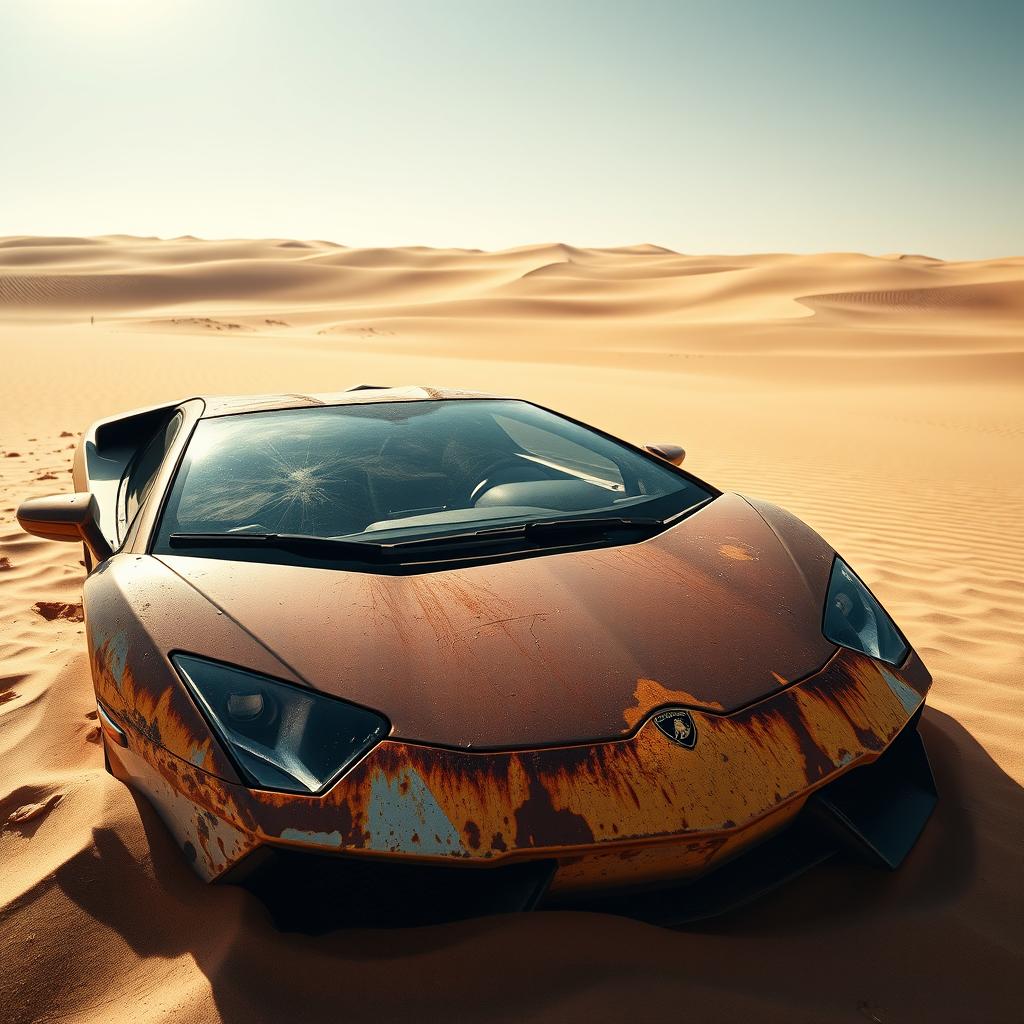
x=495 y=476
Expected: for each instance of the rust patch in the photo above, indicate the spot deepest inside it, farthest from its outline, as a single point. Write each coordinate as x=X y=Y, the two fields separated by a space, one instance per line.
x=650 y=694
x=164 y=715
x=537 y=817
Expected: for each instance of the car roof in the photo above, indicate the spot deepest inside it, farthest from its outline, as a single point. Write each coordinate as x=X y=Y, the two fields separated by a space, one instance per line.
x=361 y=394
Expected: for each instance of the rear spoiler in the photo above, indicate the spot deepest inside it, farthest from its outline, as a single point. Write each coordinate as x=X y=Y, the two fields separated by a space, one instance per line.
x=107 y=447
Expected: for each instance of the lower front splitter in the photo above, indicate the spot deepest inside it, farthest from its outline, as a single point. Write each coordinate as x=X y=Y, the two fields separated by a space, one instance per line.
x=874 y=814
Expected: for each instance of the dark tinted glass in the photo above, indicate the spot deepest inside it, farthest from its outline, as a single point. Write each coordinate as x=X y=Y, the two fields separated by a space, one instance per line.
x=406 y=469
x=853 y=618
x=142 y=472
x=282 y=736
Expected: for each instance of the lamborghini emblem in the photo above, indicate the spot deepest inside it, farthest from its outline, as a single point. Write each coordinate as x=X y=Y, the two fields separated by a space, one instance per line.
x=678 y=726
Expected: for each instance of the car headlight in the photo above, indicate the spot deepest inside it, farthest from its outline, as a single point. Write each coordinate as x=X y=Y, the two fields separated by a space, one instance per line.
x=280 y=736
x=854 y=619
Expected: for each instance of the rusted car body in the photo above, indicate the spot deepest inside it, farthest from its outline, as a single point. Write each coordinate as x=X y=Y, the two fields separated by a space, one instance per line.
x=594 y=720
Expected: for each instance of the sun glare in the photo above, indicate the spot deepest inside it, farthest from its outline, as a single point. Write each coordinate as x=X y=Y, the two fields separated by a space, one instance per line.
x=107 y=16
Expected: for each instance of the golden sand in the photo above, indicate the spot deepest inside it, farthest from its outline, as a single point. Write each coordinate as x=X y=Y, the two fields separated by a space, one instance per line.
x=880 y=399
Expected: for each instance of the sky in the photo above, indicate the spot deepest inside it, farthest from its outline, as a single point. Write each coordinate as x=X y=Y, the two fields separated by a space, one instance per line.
x=702 y=125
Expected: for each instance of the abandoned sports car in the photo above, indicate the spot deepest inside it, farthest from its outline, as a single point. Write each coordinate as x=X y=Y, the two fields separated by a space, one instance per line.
x=406 y=651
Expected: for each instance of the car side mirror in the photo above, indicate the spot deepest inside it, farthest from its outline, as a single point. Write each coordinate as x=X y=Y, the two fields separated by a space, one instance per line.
x=669 y=452
x=73 y=517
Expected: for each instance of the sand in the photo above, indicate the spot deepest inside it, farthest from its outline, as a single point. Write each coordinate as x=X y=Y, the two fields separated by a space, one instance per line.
x=880 y=398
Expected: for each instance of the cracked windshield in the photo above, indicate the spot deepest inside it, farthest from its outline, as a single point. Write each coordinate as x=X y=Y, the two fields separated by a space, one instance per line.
x=378 y=471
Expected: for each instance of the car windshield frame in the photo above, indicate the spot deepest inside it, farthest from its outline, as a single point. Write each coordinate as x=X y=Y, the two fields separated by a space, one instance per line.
x=683 y=495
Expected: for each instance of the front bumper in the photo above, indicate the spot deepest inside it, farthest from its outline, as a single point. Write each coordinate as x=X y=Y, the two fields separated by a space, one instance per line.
x=874 y=813
x=566 y=822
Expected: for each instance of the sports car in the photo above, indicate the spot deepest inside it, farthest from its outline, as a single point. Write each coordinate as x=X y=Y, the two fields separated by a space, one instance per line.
x=409 y=653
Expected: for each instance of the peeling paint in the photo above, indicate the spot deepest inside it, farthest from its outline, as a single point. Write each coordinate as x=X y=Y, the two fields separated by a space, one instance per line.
x=328 y=839
x=116 y=653
x=403 y=806
x=908 y=697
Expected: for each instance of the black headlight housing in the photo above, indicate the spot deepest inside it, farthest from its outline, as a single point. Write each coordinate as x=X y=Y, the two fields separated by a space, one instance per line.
x=854 y=618
x=280 y=736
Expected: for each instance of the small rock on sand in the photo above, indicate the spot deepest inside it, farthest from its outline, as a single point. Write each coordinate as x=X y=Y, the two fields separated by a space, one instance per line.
x=30 y=811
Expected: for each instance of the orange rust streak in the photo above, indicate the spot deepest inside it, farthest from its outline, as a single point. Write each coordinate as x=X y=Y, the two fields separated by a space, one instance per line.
x=748 y=774
x=159 y=713
x=650 y=694
x=747 y=766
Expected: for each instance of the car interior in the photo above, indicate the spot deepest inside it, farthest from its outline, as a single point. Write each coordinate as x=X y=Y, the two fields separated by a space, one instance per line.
x=346 y=471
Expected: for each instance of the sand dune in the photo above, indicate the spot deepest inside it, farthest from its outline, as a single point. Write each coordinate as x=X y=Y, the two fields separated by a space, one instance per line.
x=114 y=277
x=880 y=398
x=1003 y=298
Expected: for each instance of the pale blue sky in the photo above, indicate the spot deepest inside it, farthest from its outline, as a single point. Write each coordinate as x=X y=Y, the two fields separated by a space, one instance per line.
x=730 y=126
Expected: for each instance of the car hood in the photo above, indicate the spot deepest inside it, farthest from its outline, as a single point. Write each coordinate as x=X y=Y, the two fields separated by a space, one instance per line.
x=714 y=613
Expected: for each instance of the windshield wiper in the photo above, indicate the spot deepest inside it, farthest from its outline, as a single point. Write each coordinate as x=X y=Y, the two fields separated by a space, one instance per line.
x=584 y=526
x=300 y=543
x=536 y=531
x=379 y=551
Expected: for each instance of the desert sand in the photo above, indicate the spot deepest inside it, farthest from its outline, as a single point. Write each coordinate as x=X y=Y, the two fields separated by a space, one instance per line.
x=880 y=398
